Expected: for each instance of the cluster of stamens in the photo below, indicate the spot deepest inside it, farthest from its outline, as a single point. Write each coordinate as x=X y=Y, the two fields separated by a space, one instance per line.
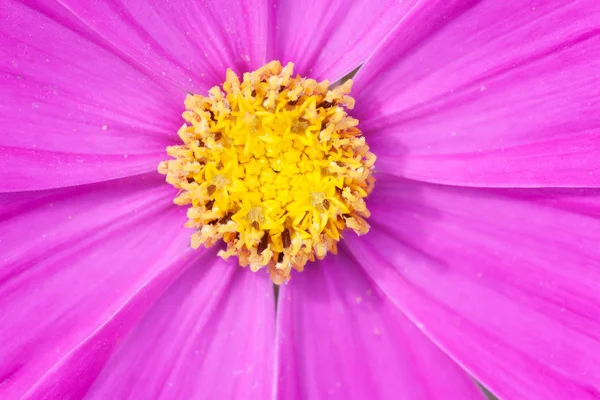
x=274 y=167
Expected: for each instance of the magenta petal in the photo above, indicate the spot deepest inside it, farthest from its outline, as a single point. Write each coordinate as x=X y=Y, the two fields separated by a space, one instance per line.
x=506 y=283
x=189 y=44
x=488 y=94
x=328 y=39
x=210 y=336
x=73 y=112
x=79 y=268
x=340 y=338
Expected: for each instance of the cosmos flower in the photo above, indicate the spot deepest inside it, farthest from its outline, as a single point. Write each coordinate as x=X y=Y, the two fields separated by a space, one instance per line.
x=481 y=258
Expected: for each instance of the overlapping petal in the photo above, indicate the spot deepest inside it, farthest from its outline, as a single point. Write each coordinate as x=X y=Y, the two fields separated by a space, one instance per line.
x=329 y=39
x=340 y=338
x=73 y=112
x=487 y=93
x=506 y=282
x=210 y=336
x=189 y=44
x=79 y=267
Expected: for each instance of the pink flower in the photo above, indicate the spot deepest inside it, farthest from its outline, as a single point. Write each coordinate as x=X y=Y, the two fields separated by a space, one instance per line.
x=482 y=259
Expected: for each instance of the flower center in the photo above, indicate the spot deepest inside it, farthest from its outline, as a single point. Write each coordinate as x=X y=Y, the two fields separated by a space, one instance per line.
x=274 y=167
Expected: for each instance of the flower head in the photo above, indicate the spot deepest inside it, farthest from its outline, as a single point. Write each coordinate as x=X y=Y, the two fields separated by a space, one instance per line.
x=481 y=259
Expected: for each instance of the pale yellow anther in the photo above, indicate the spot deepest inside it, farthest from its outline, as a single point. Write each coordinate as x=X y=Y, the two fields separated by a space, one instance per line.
x=274 y=167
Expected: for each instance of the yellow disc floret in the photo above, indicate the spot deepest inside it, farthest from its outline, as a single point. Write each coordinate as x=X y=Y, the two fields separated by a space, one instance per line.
x=274 y=167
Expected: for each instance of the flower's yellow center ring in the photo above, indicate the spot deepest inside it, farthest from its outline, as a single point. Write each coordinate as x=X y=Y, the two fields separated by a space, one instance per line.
x=274 y=167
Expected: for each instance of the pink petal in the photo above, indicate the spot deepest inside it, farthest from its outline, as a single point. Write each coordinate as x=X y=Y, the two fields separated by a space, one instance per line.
x=487 y=94
x=189 y=44
x=504 y=282
x=73 y=112
x=328 y=39
x=340 y=338
x=211 y=336
x=79 y=268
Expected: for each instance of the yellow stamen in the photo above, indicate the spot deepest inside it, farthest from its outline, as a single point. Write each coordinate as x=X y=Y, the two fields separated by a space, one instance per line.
x=274 y=167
